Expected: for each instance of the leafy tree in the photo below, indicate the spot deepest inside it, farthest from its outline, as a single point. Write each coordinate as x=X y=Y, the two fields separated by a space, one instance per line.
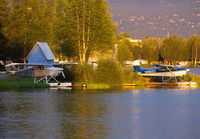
x=87 y=25
x=64 y=29
x=174 y=49
x=136 y=51
x=124 y=35
x=194 y=46
x=3 y=48
x=4 y=11
x=150 y=49
x=29 y=22
x=123 y=51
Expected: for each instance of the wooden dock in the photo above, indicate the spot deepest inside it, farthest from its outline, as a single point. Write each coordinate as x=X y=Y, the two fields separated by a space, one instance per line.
x=175 y=84
x=60 y=85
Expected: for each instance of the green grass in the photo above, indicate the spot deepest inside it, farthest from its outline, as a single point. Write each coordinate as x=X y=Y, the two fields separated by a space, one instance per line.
x=21 y=83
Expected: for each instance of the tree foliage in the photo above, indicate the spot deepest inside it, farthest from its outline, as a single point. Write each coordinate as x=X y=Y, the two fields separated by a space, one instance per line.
x=150 y=49
x=123 y=51
x=137 y=51
x=124 y=35
x=75 y=27
x=109 y=72
x=194 y=48
x=4 y=12
x=174 y=48
x=29 y=21
x=85 y=24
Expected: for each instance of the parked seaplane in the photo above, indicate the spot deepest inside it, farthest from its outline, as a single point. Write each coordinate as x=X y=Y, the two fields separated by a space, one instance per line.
x=171 y=71
x=38 y=71
x=40 y=65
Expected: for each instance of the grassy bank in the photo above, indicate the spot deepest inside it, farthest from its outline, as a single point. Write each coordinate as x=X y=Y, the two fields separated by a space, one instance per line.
x=21 y=83
x=108 y=74
x=90 y=85
x=191 y=78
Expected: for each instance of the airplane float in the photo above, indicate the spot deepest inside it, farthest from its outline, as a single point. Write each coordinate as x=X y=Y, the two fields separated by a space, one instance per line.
x=38 y=71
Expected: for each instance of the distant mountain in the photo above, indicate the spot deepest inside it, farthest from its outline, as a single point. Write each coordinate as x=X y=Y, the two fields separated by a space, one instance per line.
x=157 y=18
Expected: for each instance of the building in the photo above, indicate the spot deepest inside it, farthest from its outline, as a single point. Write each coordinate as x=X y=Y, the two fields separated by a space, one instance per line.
x=135 y=40
x=41 y=53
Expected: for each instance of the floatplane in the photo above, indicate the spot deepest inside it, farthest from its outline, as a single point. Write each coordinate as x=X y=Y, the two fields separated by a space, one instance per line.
x=166 y=72
x=40 y=65
x=38 y=71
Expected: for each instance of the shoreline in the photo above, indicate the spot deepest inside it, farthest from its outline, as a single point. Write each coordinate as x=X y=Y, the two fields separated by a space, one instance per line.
x=7 y=83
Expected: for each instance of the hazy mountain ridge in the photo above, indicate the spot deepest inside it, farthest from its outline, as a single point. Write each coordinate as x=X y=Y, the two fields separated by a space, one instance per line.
x=157 y=17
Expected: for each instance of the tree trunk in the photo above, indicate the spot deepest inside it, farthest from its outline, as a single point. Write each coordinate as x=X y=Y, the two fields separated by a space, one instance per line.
x=196 y=54
x=84 y=44
x=78 y=36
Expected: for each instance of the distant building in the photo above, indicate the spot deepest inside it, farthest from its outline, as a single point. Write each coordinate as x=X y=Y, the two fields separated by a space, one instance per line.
x=135 y=40
x=41 y=53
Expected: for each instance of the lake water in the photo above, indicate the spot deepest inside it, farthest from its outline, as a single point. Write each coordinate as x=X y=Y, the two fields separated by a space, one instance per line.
x=111 y=114
x=195 y=70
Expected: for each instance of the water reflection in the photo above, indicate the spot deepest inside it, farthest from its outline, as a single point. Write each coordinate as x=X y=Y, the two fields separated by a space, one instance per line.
x=146 y=113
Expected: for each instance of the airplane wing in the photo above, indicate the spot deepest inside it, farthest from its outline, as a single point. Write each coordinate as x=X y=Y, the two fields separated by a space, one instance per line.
x=156 y=65
x=38 y=64
x=164 y=66
x=63 y=64
x=26 y=64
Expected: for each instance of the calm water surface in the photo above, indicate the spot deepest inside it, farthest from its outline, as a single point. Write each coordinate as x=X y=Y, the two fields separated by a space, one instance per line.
x=115 y=114
x=195 y=70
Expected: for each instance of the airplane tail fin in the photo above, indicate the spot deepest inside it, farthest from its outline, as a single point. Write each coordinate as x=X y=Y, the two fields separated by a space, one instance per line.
x=136 y=66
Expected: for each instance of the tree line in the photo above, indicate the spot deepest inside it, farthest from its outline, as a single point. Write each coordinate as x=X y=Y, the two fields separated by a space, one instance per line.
x=75 y=28
x=171 y=49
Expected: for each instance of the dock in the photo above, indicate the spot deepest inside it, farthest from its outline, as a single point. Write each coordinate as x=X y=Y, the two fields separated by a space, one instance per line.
x=60 y=85
x=174 y=84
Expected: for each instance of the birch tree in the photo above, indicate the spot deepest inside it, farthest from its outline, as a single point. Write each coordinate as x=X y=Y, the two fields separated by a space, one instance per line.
x=29 y=22
x=174 y=48
x=194 y=45
x=150 y=50
x=87 y=27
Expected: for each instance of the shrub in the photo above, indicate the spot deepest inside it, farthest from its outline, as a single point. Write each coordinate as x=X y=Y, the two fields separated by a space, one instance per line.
x=83 y=73
x=109 y=72
x=69 y=76
x=131 y=77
